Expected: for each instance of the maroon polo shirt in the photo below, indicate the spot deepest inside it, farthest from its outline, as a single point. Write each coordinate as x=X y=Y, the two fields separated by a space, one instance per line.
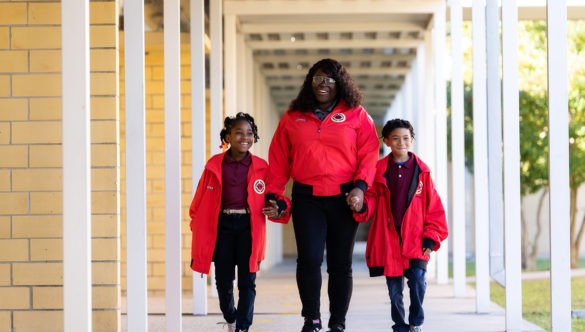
x=398 y=178
x=234 y=176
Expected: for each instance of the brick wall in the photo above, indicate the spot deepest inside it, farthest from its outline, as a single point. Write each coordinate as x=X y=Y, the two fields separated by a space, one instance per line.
x=154 y=103
x=31 y=248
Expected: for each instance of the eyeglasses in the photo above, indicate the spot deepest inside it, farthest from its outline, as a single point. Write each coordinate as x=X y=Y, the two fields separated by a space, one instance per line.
x=318 y=80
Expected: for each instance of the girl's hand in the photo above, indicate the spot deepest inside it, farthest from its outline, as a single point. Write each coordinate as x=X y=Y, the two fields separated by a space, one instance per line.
x=271 y=210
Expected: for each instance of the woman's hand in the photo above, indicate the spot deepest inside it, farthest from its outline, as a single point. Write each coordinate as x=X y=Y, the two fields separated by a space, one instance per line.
x=355 y=199
x=271 y=210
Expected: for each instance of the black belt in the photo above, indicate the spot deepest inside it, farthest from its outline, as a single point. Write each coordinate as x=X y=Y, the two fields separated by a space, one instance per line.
x=307 y=189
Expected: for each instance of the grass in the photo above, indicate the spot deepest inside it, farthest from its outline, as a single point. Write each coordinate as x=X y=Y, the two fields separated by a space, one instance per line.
x=536 y=296
x=536 y=301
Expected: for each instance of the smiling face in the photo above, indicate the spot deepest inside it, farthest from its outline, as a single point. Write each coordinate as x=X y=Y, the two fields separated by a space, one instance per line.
x=325 y=92
x=399 y=140
x=240 y=138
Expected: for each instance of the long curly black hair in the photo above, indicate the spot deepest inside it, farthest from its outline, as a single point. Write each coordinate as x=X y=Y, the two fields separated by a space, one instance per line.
x=230 y=121
x=346 y=87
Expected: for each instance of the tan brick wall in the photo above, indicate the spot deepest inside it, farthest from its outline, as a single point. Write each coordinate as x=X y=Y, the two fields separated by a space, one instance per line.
x=155 y=155
x=31 y=199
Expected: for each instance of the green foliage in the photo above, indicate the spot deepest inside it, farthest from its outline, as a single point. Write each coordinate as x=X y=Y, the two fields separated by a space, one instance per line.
x=533 y=142
x=467 y=123
x=534 y=105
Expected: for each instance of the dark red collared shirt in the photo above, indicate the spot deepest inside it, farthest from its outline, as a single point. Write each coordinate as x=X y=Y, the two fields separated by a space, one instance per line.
x=398 y=179
x=234 y=179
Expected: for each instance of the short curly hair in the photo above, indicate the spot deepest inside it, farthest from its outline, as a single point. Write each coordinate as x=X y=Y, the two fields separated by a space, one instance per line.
x=346 y=87
x=397 y=123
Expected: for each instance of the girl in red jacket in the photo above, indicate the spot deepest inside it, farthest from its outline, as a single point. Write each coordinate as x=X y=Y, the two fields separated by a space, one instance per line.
x=404 y=232
x=227 y=220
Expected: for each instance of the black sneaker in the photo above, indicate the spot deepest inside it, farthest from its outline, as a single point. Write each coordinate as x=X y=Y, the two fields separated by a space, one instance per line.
x=312 y=325
x=336 y=328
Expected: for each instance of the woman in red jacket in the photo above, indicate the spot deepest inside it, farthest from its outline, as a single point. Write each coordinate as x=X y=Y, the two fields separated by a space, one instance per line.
x=227 y=221
x=327 y=143
x=405 y=232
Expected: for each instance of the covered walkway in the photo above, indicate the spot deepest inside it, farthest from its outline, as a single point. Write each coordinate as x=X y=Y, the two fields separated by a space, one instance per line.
x=278 y=307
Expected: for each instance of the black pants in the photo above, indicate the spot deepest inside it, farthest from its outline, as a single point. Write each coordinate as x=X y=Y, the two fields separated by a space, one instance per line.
x=324 y=222
x=233 y=248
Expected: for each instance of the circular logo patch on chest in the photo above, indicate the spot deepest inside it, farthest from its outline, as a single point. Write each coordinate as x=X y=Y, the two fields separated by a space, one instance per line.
x=420 y=187
x=259 y=186
x=338 y=117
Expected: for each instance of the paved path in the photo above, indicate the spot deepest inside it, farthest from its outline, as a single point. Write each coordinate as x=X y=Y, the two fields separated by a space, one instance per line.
x=278 y=307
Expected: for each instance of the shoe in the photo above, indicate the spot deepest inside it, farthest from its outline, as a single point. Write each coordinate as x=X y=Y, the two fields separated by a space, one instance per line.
x=241 y=330
x=231 y=327
x=312 y=325
x=336 y=328
x=416 y=329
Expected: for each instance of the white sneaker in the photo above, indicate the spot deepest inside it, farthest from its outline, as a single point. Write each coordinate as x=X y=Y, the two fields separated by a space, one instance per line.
x=416 y=329
x=231 y=327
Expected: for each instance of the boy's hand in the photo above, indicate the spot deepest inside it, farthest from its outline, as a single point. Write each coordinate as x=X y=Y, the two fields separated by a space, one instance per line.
x=427 y=251
x=355 y=199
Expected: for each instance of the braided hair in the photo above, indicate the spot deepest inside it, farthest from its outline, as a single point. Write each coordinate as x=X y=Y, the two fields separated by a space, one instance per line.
x=230 y=121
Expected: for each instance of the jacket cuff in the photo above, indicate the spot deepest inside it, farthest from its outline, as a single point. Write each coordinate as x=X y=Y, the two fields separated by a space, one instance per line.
x=428 y=244
x=362 y=185
x=269 y=197
x=281 y=205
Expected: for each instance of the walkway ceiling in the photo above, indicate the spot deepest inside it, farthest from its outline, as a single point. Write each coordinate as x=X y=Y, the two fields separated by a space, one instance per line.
x=377 y=40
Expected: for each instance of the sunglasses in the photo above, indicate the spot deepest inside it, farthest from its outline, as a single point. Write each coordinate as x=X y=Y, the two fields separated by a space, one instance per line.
x=318 y=80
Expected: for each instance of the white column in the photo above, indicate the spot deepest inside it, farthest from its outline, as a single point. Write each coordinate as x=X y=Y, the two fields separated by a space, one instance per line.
x=495 y=170
x=172 y=85
x=511 y=125
x=215 y=88
x=457 y=232
x=77 y=299
x=441 y=167
x=230 y=62
x=479 y=157
x=136 y=260
x=560 y=269
x=215 y=74
x=198 y=140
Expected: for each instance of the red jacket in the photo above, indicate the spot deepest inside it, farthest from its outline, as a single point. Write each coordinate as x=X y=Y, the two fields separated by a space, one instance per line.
x=205 y=208
x=424 y=218
x=340 y=149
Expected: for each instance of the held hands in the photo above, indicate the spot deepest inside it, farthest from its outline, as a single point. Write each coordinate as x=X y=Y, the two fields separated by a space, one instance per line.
x=355 y=199
x=271 y=210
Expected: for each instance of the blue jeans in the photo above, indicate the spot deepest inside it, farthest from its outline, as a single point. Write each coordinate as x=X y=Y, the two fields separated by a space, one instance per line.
x=417 y=286
x=233 y=248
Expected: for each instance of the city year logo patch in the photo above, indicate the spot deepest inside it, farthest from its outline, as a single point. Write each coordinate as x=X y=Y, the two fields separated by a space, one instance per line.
x=419 y=188
x=259 y=186
x=338 y=117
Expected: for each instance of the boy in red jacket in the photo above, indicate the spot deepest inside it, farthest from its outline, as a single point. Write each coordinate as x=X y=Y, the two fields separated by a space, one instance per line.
x=405 y=232
x=228 y=222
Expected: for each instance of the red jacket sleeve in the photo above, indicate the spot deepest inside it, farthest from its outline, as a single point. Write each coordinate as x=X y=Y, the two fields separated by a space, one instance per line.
x=435 y=223
x=278 y=160
x=370 y=199
x=286 y=216
x=368 y=146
